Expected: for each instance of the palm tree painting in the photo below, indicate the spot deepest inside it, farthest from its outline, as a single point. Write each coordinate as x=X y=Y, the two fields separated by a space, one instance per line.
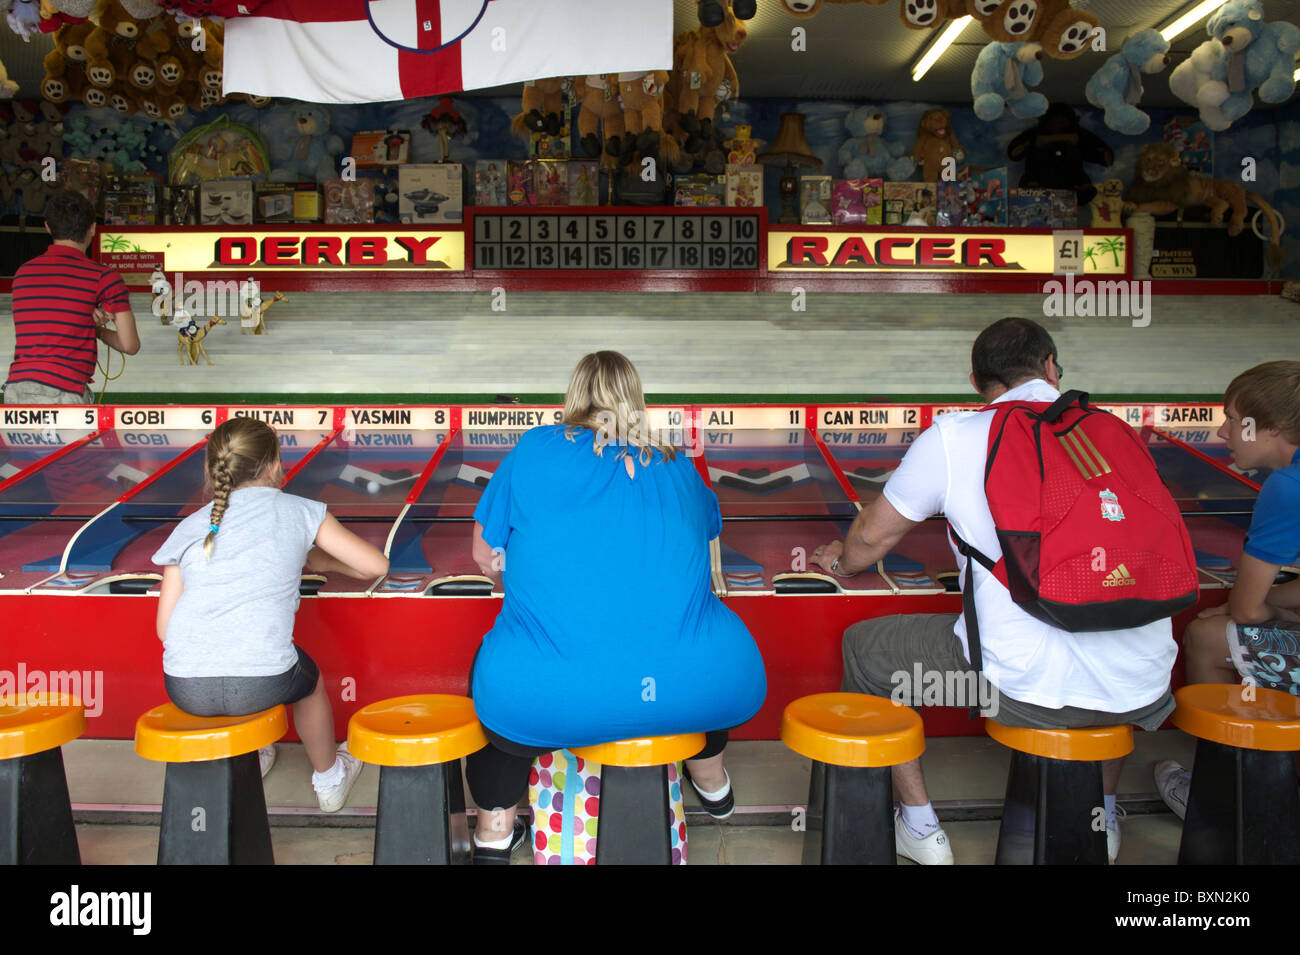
x=114 y=243
x=1088 y=257
x=1113 y=244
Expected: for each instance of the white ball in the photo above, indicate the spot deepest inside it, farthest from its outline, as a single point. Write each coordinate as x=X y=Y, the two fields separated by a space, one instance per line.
x=372 y=487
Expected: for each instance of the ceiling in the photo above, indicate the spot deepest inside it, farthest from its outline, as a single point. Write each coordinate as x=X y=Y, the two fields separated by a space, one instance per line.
x=854 y=52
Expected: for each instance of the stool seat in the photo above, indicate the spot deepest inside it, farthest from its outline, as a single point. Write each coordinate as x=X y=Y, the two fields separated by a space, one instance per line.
x=1090 y=744
x=649 y=751
x=1218 y=713
x=167 y=734
x=852 y=729
x=418 y=730
x=38 y=723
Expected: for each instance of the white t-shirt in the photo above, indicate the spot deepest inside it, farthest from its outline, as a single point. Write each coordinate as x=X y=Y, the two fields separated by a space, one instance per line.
x=1112 y=671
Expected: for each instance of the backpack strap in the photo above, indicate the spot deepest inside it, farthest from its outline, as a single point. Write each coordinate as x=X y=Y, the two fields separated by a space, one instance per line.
x=972 y=554
x=1058 y=407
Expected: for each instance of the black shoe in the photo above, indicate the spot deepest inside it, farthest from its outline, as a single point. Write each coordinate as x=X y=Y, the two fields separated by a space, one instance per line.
x=744 y=9
x=484 y=856
x=711 y=13
x=717 y=808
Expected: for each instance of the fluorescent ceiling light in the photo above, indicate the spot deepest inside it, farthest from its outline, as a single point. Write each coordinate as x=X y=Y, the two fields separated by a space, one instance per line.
x=939 y=45
x=1189 y=19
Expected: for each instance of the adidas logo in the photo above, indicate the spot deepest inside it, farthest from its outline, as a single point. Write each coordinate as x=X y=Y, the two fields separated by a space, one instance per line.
x=1119 y=577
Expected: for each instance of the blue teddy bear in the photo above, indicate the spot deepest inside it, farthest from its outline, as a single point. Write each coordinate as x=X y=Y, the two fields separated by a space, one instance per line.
x=1002 y=71
x=1245 y=53
x=308 y=151
x=1117 y=86
x=867 y=154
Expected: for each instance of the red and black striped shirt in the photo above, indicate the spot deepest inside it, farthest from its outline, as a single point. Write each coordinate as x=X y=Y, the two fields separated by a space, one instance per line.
x=54 y=299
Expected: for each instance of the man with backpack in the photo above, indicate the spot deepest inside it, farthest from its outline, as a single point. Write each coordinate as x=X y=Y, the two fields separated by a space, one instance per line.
x=1071 y=619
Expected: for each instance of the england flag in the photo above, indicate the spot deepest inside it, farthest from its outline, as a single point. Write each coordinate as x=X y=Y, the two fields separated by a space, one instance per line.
x=354 y=51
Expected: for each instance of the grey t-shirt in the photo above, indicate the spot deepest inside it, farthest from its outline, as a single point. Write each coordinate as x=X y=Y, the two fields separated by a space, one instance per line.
x=235 y=614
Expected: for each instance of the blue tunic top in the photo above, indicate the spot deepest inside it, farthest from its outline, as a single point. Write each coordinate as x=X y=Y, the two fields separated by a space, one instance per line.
x=609 y=629
x=1274 y=535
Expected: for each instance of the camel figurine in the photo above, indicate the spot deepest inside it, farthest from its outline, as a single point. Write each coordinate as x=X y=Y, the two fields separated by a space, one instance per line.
x=190 y=341
x=253 y=315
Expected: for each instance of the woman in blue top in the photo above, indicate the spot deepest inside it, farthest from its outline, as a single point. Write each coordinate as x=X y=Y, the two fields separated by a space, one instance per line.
x=609 y=629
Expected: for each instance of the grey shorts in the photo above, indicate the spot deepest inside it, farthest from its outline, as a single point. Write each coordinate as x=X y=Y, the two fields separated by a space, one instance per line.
x=34 y=393
x=916 y=659
x=242 y=695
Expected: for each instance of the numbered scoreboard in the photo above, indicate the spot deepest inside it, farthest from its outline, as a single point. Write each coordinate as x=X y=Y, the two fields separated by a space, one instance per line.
x=662 y=240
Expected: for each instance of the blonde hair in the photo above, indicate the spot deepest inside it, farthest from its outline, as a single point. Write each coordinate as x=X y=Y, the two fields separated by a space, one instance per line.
x=1269 y=393
x=605 y=394
x=239 y=451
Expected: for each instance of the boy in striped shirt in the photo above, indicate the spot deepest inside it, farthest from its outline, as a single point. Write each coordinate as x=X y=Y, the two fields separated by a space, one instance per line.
x=63 y=302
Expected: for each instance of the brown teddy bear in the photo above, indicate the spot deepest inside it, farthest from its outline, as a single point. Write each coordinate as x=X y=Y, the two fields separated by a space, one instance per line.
x=65 y=65
x=115 y=47
x=1063 y=31
x=935 y=142
x=928 y=14
x=599 y=109
x=809 y=8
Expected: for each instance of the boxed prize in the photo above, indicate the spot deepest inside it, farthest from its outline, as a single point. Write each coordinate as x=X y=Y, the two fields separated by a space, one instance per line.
x=349 y=202
x=551 y=182
x=699 y=189
x=1042 y=208
x=131 y=200
x=744 y=185
x=857 y=201
x=430 y=192
x=986 y=198
x=381 y=147
x=490 y=182
x=521 y=186
x=288 y=202
x=226 y=202
x=83 y=176
x=584 y=182
x=815 y=200
x=909 y=203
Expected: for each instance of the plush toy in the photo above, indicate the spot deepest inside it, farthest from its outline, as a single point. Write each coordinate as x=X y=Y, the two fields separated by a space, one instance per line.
x=703 y=76
x=56 y=13
x=1055 y=150
x=1002 y=73
x=7 y=86
x=1163 y=185
x=598 y=110
x=928 y=14
x=1106 y=207
x=23 y=17
x=197 y=9
x=309 y=150
x=867 y=154
x=935 y=142
x=1244 y=53
x=543 y=106
x=809 y=8
x=65 y=65
x=641 y=96
x=1117 y=86
x=122 y=46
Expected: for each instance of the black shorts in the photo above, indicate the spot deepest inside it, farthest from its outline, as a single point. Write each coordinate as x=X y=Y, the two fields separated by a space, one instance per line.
x=243 y=695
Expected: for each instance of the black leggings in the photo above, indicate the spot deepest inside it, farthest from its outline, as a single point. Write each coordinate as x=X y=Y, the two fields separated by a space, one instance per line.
x=498 y=773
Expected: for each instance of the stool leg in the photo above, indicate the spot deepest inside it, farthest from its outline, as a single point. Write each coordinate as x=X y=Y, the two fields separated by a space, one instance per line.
x=1243 y=808
x=850 y=816
x=634 y=816
x=1049 y=813
x=421 y=816
x=36 y=826
x=214 y=813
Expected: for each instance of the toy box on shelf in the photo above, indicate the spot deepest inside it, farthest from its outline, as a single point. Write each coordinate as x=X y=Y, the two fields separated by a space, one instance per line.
x=551 y=182
x=180 y=204
x=584 y=182
x=349 y=202
x=1194 y=142
x=698 y=189
x=950 y=198
x=226 y=202
x=131 y=199
x=372 y=148
x=430 y=192
x=909 y=203
x=490 y=182
x=744 y=185
x=986 y=200
x=288 y=202
x=84 y=176
x=1042 y=208
x=521 y=184
x=857 y=201
x=815 y=200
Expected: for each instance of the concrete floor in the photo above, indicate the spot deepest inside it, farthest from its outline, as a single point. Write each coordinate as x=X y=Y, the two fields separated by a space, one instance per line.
x=116 y=796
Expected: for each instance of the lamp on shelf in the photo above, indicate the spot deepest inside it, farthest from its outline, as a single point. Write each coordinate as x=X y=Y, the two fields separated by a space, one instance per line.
x=790 y=149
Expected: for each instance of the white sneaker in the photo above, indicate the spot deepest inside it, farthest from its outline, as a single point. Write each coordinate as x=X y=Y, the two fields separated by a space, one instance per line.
x=1173 y=783
x=332 y=799
x=1112 y=835
x=932 y=850
x=266 y=756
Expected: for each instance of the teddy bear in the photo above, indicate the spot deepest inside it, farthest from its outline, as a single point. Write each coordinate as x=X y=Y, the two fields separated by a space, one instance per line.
x=1244 y=53
x=935 y=142
x=599 y=113
x=8 y=88
x=1055 y=150
x=867 y=154
x=809 y=8
x=307 y=149
x=198 y=9
x=928 y=14
x=1002 y=73
x=1064 y=31
x=123 y=46
x=65 y=65
x=702 y=77
x=56 y=13
x=1116 y=87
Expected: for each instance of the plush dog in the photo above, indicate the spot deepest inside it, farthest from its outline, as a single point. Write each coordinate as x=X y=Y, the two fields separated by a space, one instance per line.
x=1003 y=72
x=935 y=142
x=867 y=154
x=1117 y=86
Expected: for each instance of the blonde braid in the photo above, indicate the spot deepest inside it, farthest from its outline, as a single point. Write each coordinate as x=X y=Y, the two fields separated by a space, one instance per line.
x=222 y=484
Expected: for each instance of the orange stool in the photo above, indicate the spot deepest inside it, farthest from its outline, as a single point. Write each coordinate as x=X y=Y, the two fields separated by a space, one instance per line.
x=635 y=825
x=853 y=740
x=417 y=742
x=1054 y=792
x=36 y=825
x=1243 y=807
x=213 y=777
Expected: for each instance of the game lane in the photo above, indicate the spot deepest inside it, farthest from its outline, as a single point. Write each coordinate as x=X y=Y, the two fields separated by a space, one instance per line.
x=1197 y=485
x=1208 y=442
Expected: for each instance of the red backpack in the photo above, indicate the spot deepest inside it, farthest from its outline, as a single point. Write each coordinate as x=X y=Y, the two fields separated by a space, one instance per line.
x=1091 y=538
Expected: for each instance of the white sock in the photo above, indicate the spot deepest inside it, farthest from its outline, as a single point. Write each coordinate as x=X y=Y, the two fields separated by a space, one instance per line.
x=714 y=796
x=920 y=820
x=328 y=779
x=502 y=843
x=1112 y=820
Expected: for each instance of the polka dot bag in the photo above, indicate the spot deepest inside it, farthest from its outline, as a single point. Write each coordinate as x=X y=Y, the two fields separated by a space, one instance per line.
x=565 y=795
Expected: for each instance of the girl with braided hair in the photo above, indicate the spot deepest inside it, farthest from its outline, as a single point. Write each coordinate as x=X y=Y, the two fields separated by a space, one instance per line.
x=231 y=573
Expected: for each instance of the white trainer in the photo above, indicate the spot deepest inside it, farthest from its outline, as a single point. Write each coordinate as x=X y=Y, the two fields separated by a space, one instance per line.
x=266 y=756
x=1173 y=783
x=932 y=850
x=332 y=799
x=1112 y=834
